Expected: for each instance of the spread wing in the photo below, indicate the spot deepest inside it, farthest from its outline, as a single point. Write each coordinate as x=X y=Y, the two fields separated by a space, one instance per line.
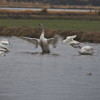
x=73 y=36
x=32 y=40
x=55 y=40
x=70 y=38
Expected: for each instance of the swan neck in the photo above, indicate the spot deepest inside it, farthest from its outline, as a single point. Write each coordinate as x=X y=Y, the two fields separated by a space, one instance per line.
x=42 y=31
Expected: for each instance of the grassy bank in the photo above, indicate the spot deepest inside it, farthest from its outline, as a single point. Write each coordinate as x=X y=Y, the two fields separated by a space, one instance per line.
x=86 y=31
x=82 y=36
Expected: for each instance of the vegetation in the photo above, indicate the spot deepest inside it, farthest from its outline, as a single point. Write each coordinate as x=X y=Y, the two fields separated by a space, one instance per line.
x=92 y=26
x=86 y=25
x=86 y=31
x=58 y=2
x=68 y=4
x=45 y=14
x=82 y=36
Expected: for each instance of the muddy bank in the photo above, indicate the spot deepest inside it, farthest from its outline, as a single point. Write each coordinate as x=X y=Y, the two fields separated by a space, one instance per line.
x=82 y=36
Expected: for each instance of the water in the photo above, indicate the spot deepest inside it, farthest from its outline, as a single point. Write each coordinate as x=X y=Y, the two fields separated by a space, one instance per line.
x=26 y=74
x=38 y=9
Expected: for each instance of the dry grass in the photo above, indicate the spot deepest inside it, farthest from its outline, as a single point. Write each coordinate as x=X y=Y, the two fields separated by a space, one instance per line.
x=36 y=4
x=82 y=36
x=45 y=14
x=45 y=11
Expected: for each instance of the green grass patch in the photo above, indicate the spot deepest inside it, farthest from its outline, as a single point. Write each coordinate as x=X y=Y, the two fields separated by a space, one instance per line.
x=92 y=26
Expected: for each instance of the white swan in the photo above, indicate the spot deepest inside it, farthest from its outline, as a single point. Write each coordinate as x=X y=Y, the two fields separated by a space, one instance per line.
x=85 y=50
x=70 y=40
x=3 y=48
x=44 y=42
x=2 y=53
x=5 y=41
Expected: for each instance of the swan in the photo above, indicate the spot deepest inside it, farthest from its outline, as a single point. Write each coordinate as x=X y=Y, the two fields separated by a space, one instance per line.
x=85 y=50
x=5 y=41
x=3 y=48
x=44 y=42
x=2 y=53
x=70 y=40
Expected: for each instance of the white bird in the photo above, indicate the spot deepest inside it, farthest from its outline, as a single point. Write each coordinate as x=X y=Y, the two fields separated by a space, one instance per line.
x=2 y=53
x=85 y=50
x=5 y=41
x=3 y=48
x=44 y=42
x=70 y=40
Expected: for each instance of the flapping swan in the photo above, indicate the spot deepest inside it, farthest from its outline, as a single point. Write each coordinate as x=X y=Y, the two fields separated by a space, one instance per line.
x=86 y=50
x=3 y=48
x=70 y=40
x=5 y=41
x=44 y=42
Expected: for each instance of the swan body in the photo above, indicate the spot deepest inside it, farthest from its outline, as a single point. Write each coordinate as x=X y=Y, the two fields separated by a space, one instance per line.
x=5 y=41
x=44 y=42
x=85 y=50
x=70 y=40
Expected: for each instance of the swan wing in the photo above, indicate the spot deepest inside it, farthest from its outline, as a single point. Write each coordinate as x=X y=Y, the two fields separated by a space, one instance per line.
x=4 y=47
x=73 y=42
x=71 y=37
x=55 y=40
x=31 y=40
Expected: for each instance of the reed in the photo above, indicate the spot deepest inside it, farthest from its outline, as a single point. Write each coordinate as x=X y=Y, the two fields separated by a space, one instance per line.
x=46 y=5
x=45 y=11
x=82 y=36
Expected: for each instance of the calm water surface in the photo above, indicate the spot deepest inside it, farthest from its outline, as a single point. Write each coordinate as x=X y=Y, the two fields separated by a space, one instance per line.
x=26 y=74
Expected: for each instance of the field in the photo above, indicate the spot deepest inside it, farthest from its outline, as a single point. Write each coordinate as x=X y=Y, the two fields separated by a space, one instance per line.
x=86 y=31
x=74 y=25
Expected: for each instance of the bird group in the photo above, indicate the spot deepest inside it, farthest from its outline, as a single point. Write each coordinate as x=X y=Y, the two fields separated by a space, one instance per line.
x=44 y=43
x=85 y=50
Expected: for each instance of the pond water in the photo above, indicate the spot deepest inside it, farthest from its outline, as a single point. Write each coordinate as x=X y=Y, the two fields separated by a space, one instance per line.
x=26 y=74
x=81 y=10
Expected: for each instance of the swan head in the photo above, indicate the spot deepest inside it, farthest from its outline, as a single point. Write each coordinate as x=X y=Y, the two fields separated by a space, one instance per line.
x=41 y=25
x=73 y=45
x=76 y=46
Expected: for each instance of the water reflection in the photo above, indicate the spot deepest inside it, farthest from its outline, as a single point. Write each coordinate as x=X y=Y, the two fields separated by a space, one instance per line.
x=38 y=9
x=40 y=53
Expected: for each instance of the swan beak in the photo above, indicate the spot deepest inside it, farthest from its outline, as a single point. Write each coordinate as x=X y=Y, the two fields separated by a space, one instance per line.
x=72 y=45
